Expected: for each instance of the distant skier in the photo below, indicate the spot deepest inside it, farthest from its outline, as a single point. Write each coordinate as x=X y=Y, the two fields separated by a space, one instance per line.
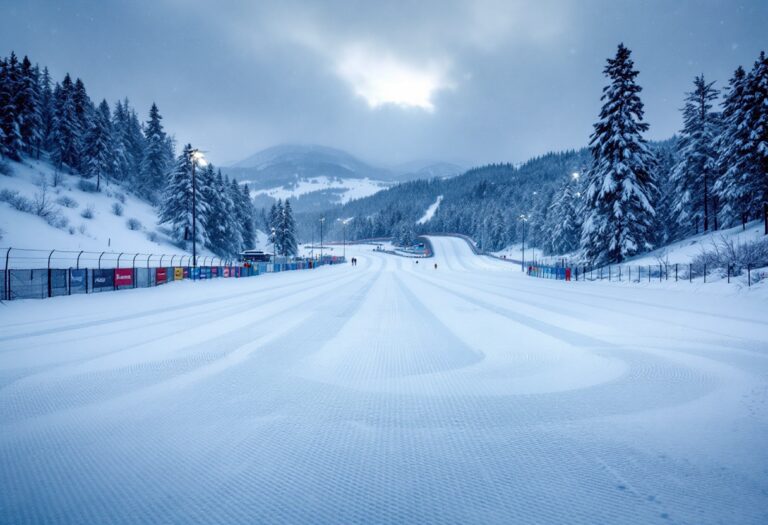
x=435 y=266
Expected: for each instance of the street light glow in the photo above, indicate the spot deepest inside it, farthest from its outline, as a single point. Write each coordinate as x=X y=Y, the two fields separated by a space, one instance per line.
x=575 y=175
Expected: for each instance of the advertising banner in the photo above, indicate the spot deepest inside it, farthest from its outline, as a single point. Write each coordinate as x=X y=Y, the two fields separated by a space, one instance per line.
x=161 y=275
x=194 y=273
x=77 y=281
x=103 y=280
x=214 y=271
x=123 y=277
x=226 y=271
x=186 y=272
x=178 y=274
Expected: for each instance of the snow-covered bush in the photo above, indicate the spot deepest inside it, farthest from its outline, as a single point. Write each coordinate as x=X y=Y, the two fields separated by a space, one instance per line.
x=71 y=230
x=86 y=186
x=117 y=209
x=152 y=236
x=83 y=229
x=725 y=252
x=133 y=224
x=17 y=201
x=67 y=202
x=88 y=212
x=120 y=197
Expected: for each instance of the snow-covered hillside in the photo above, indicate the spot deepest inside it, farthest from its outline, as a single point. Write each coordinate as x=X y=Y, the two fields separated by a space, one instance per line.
x=77 y=219
x=343 y=190
x=430 y=211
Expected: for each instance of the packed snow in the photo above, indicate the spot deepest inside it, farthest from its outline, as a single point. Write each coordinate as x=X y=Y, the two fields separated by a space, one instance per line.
x=430 y=211
x=390 y=392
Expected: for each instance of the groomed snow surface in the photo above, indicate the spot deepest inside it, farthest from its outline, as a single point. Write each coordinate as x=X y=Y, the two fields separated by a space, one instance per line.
x=390 y=392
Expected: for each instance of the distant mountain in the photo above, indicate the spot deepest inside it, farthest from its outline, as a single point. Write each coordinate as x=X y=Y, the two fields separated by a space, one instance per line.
x=318 y=177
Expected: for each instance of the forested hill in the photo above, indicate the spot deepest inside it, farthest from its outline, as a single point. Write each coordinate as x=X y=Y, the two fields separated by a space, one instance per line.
x=485 y=202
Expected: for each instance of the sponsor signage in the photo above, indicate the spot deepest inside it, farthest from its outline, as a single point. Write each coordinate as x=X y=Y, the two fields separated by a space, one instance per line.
x=161 y=275
x=226 y=271
x=186 y=272
x=77 y=281
x=123 y=276
x=194 y=273
x=178 y=274
x=214 y=271
x=103 y=279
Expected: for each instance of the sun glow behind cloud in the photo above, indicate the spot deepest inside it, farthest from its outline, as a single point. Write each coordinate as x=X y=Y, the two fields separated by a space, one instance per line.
x=381 y=79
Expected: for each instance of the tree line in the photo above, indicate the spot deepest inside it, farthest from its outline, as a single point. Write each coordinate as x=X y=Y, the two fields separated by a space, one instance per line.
x=103 y=143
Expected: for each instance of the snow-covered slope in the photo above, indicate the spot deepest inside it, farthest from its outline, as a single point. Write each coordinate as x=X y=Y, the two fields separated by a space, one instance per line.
x=430 y=211
x=69 y=228
x=342 y=190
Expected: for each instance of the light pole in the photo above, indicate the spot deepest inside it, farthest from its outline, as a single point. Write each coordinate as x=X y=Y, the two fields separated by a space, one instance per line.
x=524 y=219
x=322 y=220
x=195 y=156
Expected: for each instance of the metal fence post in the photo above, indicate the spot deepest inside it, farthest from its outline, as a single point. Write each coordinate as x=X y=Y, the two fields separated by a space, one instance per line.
x=100 y=256
x=705 y=273
x=118 y=259
x=649 y=273
x=77 y=264
x=172 y=258
x=148 y=258
x=609 y=273
x=50 y=290
x=675 y=272
x=749 y=276
x=7 y=274
x=660 y=276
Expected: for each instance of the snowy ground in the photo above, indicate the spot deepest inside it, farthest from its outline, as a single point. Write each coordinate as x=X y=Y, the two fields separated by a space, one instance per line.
x=351 y=188
x=390 y=392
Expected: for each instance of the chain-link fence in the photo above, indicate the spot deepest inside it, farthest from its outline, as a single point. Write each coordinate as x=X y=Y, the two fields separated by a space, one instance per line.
x=650 y=273
x=37 y=274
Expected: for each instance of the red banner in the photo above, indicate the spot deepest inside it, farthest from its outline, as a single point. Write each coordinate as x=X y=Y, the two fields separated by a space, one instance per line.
x=123 y=276
x=214 y=271
x=161 y=275
x=226 y=271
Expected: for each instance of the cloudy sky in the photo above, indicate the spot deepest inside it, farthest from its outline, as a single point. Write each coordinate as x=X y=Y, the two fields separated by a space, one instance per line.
x=467 y=81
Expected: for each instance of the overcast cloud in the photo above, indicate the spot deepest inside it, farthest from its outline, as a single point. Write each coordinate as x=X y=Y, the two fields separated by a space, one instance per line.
x=465 y=81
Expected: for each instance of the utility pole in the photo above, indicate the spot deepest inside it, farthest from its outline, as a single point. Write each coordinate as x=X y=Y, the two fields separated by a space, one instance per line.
x=525 y=220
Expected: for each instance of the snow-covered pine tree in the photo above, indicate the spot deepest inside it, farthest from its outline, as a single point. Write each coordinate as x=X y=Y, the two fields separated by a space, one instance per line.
x=46 y=110
x=12 y=144
x=288 y=245
x=757 y=122
x=98 y=149
x=248 y=231
x=29 y=107
x=743 y=161
x=155 y=160
x=233 y=237
x=212 y=221
x=406 y=235
x=275 y=214
x=620 y=190
x=566 y=229
x=66 y=133
x=695 y=171
x=126 y=162
x=84 y=111
x=732 y=161
x=176 y=209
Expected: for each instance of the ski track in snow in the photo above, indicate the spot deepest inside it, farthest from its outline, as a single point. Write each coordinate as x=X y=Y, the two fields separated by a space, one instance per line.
x=391 y=392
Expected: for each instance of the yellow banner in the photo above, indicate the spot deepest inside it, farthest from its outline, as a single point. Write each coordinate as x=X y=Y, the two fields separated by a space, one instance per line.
x=178 y=274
